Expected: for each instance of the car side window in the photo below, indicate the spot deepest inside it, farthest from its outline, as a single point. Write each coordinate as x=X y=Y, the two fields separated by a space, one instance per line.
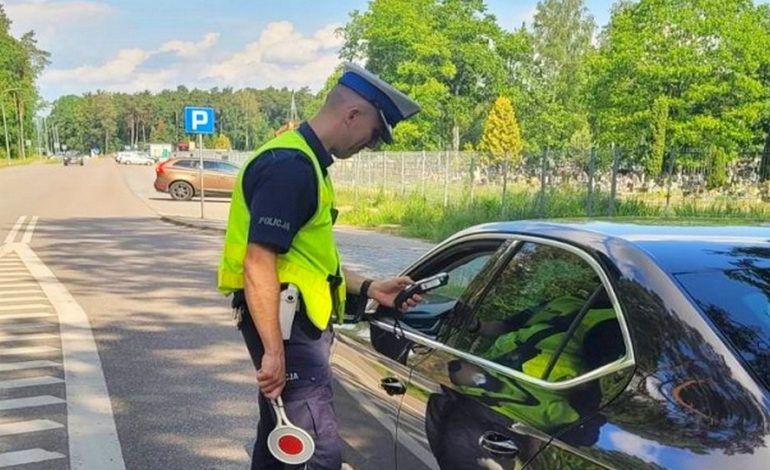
x=461 y=273
x=228 y=168
x=186 y=164
x=547 y=315
x=220 y=167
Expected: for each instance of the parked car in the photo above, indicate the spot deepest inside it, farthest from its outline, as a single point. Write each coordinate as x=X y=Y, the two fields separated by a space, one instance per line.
x=73 y=159
x=568 y=346
x=135 y=158
x=181 y=178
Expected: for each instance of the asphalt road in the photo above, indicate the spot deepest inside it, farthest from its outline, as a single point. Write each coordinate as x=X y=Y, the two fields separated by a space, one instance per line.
x=112 y=315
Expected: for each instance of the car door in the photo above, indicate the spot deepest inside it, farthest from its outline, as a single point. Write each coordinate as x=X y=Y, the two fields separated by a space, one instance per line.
x=507 y=368
x=463 y=260
x=212 y=177
x=228 y=174
x=366 y=397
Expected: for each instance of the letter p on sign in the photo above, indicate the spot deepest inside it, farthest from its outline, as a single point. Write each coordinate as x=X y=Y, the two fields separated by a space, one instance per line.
x=198 y=120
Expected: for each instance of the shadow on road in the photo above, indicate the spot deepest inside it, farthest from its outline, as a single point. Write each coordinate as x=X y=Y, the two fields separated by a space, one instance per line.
x=179 y=377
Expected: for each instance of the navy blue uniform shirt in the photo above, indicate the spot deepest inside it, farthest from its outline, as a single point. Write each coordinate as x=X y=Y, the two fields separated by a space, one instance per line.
x=281 y=190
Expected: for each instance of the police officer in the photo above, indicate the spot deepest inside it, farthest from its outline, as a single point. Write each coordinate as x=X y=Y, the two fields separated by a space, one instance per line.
x=279 y=232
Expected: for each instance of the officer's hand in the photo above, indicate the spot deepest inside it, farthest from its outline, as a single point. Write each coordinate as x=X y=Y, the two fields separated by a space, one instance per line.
x=385 y=292
x=271 y=377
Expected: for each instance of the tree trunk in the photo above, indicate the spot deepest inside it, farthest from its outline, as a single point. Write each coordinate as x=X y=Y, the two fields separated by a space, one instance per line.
x=133 y=128
x=456 y=137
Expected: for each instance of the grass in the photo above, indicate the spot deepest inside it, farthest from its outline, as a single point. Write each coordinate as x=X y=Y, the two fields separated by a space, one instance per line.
x=4 y=163
x=423 y=215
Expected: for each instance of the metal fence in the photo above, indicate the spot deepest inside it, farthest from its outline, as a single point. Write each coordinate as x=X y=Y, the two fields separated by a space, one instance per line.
x=600 y=178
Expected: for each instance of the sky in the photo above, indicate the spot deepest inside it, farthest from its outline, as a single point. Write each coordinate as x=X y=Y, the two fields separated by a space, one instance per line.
x=133 y=45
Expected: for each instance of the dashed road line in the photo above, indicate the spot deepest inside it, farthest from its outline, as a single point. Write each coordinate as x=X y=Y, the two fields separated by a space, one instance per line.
x=24 y=457
x=29 y=402
x=7 y=300
x=12 y=234
x=11 y=338
x=17 y=316
x=92 y=434
x=30 y=229
x=29 y=382
x=27 y=365
x=19 y=284
x=27 y=350
x=24 y=427
x=21 y=307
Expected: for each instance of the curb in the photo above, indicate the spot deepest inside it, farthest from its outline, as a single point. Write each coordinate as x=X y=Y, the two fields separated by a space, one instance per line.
x=201 y=224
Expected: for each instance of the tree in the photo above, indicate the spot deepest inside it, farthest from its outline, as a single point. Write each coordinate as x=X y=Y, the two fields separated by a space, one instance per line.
x=446 y=60
x=654 y=162
x=704 y=57
x=222 y=142
x=717 y=175
x=501 y=140
x=556 y=102
x=21 y=62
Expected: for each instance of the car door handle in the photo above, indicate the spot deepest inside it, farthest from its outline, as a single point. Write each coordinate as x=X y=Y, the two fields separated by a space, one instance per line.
x=499 y=444
x=392 y=386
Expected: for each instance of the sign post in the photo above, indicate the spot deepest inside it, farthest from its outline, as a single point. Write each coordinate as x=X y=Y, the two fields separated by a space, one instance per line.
x=198 y=120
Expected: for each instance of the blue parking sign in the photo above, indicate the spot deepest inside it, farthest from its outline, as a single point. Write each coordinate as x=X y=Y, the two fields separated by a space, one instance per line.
x=198 y=120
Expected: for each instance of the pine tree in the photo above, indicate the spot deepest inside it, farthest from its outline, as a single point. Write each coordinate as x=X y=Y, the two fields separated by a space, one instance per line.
x=654 y=163
x=501 y=140
x=222 y=142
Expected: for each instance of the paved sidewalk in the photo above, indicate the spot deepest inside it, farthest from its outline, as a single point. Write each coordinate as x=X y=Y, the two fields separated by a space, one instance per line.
x=371 y=253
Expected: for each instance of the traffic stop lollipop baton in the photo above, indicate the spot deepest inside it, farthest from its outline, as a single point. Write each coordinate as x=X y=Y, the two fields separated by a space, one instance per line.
x=288 y=443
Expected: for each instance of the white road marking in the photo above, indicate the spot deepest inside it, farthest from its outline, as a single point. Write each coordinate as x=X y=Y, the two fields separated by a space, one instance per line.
x=12 y=234
x=14 y=275
x=23 y=457
x=21 y=284
x=93 y=437
x=27 y=365
x=19 y=292
x=7 y=300
x=30 y=229
x=29 y=402
x=16 y=316
x=24 y=427
x=22 y=307
x=24 y=327
x=29 y=382
x=10 y=338
x=26 y=350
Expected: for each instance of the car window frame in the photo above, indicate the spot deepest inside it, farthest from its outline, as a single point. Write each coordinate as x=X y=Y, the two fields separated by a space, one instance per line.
x=628 y=360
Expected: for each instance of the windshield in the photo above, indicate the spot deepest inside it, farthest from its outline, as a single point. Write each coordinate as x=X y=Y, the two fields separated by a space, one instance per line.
x=738 y=302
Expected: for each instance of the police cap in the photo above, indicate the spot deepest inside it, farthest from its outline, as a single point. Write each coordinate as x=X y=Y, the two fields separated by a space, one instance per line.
x=392 y=105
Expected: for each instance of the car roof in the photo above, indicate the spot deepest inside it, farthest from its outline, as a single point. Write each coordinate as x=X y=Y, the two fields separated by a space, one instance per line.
x=675 y=248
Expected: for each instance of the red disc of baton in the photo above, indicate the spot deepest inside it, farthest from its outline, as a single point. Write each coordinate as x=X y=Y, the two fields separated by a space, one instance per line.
x=288 y=443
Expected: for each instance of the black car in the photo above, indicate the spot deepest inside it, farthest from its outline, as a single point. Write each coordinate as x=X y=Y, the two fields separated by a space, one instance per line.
x=74 y=159
x=568 y=346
